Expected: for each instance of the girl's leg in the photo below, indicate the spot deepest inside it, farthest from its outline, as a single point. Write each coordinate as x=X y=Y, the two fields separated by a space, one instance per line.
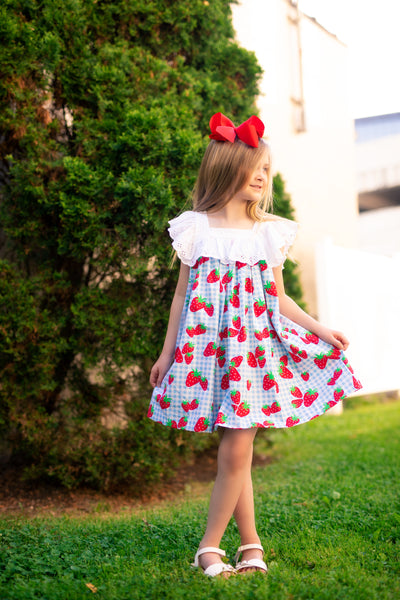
x=245 y=519
x=234 y=459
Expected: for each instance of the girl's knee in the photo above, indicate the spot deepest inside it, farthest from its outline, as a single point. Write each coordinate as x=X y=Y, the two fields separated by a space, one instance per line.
x=236 y=449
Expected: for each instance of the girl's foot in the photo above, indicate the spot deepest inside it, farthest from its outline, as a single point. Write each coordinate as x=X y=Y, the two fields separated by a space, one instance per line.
x=212 y=564
x=251 y=560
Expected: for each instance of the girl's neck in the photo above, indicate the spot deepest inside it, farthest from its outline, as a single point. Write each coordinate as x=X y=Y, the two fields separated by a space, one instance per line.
x=231 y=215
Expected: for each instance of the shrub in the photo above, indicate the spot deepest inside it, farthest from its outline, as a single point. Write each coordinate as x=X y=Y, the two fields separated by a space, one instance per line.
x=104 y=111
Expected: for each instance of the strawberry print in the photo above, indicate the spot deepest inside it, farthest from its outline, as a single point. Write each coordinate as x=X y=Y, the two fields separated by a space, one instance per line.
x=310 y=338
x=236 y=322
x=251 y=360
x=243 y=410
x=223 y=334
x=263 y=265
x=196 y=304
x=297 y=402
x=269 y=382
x=234 y=374
x=235 y=397
x=260 y=350
x=225 y=381
x=270 y=288
x=192 y=378
x=165 y=402
x=240 y=265
x=296 y=392
x=259 y=308
x=198 y=330
x=209 y=308
x=187 y=406
x=226 y=278
x=260 y=335
x=346 y=362
x=201 y=424
x=268 y=410
x=213 y=276
x=242 y=337
x=309 y=397
x=335 y=376
x=295 y=357
x=221 y=419
x=334 y=354
x=284 y=372
x=203 y=383
x=187 y=348
x=248 y=285
x=338 y=394
x=237 y=361
x=329 y=405
x=210 y=349
x=196 y=282
x=234 y=299
x=320 y=360
x=178 y=355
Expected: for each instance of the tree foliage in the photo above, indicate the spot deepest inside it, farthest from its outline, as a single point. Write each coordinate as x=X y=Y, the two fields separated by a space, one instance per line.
x=104 y=110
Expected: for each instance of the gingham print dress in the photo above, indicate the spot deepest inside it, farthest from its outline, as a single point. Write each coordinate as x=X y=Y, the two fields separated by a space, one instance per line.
x=238 y=362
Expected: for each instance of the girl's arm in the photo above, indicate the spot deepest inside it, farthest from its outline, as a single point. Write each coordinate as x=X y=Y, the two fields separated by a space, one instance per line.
x=288 y=308
x=166 y=357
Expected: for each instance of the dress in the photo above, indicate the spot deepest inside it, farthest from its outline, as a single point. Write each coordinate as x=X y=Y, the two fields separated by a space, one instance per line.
x=238 y=362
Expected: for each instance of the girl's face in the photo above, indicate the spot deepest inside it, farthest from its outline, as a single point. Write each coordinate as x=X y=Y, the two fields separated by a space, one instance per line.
x=256 y=186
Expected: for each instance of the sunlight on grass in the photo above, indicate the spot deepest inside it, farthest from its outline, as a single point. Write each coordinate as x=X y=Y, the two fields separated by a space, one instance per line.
x=328 y=512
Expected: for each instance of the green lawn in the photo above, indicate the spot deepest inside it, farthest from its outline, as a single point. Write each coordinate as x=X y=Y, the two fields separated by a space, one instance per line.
x=328 y=510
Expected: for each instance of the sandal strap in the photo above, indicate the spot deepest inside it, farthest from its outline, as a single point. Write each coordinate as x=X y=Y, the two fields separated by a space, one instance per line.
x=204 y=551
x=217 y=569
x=247 y=547
x=252 y=563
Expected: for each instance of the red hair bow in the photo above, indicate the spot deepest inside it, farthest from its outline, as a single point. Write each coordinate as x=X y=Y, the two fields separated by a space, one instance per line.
x=249 y=132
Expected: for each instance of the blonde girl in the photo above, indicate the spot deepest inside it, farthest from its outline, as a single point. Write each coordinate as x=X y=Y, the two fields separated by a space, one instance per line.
x=239 y=354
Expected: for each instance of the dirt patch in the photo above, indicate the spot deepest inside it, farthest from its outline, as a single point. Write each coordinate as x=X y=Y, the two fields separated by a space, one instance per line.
x=19 y=498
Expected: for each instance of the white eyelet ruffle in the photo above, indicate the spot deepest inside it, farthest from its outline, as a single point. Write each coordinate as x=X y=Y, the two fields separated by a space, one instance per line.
x=269 y=240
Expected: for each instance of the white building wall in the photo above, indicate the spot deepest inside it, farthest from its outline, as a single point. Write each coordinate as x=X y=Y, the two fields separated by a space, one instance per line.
x=363 y=300
x=318 y=163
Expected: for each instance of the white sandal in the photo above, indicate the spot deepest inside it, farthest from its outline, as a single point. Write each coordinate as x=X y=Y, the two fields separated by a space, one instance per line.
x=254 y=563
x=216 y=568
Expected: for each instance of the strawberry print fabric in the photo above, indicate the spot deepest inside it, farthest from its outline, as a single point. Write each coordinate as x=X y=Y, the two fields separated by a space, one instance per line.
x=238 y=362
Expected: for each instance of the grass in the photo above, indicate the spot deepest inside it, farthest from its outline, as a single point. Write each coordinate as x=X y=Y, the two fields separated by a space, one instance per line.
x=328 y=512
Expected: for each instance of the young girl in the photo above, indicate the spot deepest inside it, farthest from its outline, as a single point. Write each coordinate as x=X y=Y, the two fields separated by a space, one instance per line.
x=239 y=354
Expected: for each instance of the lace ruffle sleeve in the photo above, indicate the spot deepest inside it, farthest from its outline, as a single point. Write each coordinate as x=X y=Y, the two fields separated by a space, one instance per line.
x=182 y=230
x=278 y=236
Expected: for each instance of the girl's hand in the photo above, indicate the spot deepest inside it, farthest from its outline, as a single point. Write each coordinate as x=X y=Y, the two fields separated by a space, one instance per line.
x=159 y=370
x=336 y=338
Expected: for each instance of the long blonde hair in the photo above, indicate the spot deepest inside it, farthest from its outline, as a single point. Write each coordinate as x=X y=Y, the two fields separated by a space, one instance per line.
x=225 y=170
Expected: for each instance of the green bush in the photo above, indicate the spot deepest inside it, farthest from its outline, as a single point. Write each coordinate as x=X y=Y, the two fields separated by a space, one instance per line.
x=103 y=120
